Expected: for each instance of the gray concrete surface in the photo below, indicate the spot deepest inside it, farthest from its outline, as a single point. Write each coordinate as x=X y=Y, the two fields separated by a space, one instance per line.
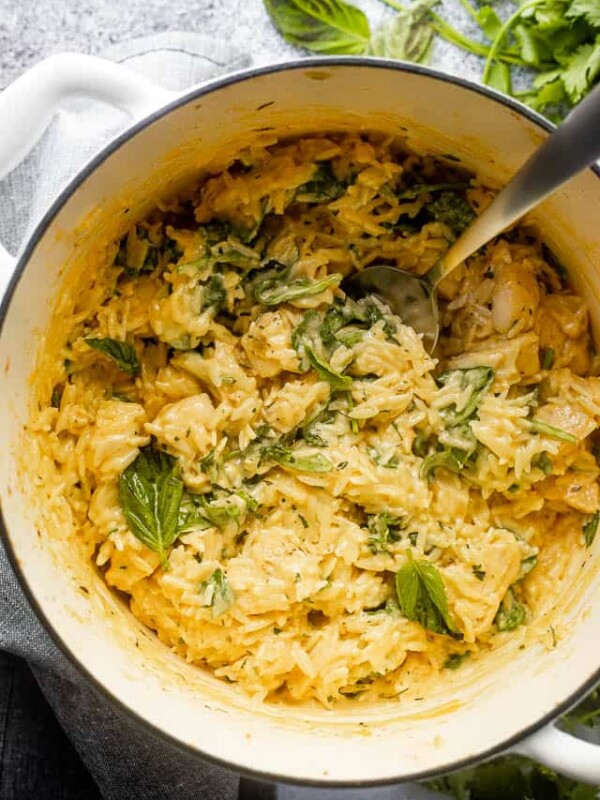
x=33 y=29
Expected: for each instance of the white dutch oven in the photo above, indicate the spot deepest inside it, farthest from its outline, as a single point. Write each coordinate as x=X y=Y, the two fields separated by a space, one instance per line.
x=510 y=704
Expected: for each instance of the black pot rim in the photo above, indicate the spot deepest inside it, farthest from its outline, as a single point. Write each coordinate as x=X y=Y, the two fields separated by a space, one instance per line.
x=31 y=246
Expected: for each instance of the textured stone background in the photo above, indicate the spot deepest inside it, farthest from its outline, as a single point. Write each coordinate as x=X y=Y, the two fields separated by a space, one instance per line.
x=33 y=29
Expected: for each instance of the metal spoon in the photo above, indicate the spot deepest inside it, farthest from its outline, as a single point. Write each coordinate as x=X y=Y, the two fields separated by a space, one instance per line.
x=569 y=149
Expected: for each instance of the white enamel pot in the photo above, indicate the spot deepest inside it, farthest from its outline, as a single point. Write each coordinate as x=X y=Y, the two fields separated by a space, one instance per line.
x=508 y=706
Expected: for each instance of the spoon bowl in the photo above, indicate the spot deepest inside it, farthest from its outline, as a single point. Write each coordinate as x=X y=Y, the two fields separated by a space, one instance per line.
x=410 y=297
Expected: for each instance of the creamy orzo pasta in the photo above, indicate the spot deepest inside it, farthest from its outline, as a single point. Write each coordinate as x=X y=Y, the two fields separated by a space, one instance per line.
x=286 y=486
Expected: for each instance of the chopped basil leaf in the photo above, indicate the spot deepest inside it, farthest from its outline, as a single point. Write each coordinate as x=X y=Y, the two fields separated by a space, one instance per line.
x=235 y=254
x=377 y=458
x=289 y=458
x=272 y=292
x=547 y=359
x=453 y=460
x=217 y=593
x=208 y=465
x=527 y=564
x=150 y=493
x=322 y=187
x=56 y=397
x=422 y=597
x=420 y=444
x=542 y=462
x=590 y=529
x=335 y=379
x=453 y=210
x=214 y=295
x=556 y=433
x=384 y=529
x=122 y=353
x=511 y=613
x=475 y=379
x=455 y=660
x=427 y=188
x=306 y=333
x=216 y=509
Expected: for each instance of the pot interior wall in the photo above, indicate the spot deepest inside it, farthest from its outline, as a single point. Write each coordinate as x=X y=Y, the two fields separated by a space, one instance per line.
x=475 y=710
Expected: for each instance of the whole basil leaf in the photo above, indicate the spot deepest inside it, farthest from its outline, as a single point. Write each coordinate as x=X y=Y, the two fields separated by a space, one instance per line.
x=324 y=26
x=122 y=353
x=150 y=493
x=422 y=597
x=408 y=36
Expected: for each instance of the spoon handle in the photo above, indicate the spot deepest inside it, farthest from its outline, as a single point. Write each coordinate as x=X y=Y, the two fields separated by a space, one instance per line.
x=574 y=145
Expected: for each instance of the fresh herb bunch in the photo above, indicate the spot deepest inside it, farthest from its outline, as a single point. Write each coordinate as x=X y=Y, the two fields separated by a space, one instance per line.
x=557 y=39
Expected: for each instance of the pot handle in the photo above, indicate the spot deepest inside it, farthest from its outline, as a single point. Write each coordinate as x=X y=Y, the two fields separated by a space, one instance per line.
x=564 y=753
x=29 y=104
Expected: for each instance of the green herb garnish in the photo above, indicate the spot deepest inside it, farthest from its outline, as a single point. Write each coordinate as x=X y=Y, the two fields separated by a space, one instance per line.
x=56 y=397
x=511 y=613
x=324 y=26
x=556 y=433
x=422 y=597
x=527 y=565
x=542 y=462
x=476 y=380
x=453 y=460
x=150 y=492
x=384 y=529
x=407 y=36
x=322 y=187
x=214 y=295
x=272 y=292
x=590 y=529
x=453 y=210
x=217 y=592
x=455 y=660
x=547 y=358
x=281 y=454
x=335 y=379
x=558 y=39
x=122 y=353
